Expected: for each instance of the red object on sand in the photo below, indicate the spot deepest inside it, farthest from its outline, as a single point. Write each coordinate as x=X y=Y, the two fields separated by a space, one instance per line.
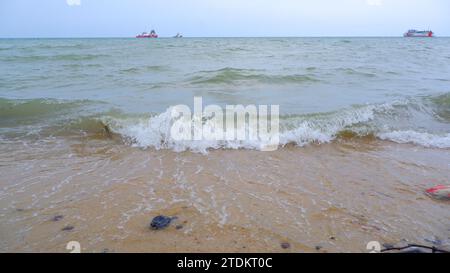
x=440 y=191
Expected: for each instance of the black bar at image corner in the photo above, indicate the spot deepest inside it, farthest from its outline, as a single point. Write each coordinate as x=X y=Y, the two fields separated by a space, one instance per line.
x=220 y=262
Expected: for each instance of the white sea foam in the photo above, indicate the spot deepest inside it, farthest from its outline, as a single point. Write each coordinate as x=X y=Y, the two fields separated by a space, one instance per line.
x=419 y=138
x=324 y=129
x=155 y=132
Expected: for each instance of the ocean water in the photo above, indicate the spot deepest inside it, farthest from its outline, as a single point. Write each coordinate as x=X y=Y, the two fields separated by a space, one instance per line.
x=393 y=88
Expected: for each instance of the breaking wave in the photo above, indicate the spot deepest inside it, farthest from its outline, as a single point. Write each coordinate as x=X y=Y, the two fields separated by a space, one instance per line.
x=386 y=121
x=301 y=130
x=419 y=138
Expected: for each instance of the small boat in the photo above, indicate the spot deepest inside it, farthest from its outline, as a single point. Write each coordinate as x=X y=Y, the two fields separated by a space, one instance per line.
x=178 y=36
x=417 y=33
x=152 y=34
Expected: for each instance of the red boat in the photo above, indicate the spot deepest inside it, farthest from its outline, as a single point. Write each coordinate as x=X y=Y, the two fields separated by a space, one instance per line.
x=152 y=34
x=416 y=33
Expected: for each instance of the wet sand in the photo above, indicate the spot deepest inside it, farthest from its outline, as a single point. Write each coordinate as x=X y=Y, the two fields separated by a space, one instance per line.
x=321 y=198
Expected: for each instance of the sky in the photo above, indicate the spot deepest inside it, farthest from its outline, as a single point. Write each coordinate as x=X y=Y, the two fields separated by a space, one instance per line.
x=221 y=18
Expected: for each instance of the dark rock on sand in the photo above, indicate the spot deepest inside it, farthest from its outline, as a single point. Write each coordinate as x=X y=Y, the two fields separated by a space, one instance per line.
x=387 y=245
x=285 y=245
x=108 y=133
x=68 y=228
x=179 y=227
x=435 y=241
x=414 y=250
x=161 y=222
x=318 y=248
x=57 y=218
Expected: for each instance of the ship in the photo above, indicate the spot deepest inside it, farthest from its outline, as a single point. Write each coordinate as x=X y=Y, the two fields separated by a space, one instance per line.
x=178 y=36
x=152 y=34
x=417 y=33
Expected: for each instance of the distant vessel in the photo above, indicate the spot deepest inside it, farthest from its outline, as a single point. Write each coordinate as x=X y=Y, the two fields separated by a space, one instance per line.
x=152 y=34
x=417 y=33
x=178 y=36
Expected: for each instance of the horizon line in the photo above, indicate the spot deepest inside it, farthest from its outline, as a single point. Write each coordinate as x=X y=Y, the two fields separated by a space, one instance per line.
x=184 y=37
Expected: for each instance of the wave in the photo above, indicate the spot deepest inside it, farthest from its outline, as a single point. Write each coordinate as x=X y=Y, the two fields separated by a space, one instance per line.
x=18 y=112
x=393 y=121
x=419 y=138
x=351 y=71
x=442 y=100
x=66 y=46
x=300 y=130
x=154 y=131
x=233 y=76
x=145 y=68
x=80 y=65
x=238 y=49
x=35 y=107
x=60 y=57
x=326 y=127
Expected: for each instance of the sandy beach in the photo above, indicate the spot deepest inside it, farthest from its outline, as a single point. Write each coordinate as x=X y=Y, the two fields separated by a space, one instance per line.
x=321 y=198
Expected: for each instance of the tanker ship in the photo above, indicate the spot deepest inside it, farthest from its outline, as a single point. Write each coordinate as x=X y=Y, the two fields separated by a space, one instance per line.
x=417 y=33
x=152 y=34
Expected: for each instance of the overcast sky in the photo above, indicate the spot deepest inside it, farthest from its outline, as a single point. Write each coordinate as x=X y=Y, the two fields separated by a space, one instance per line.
x=125 y=18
